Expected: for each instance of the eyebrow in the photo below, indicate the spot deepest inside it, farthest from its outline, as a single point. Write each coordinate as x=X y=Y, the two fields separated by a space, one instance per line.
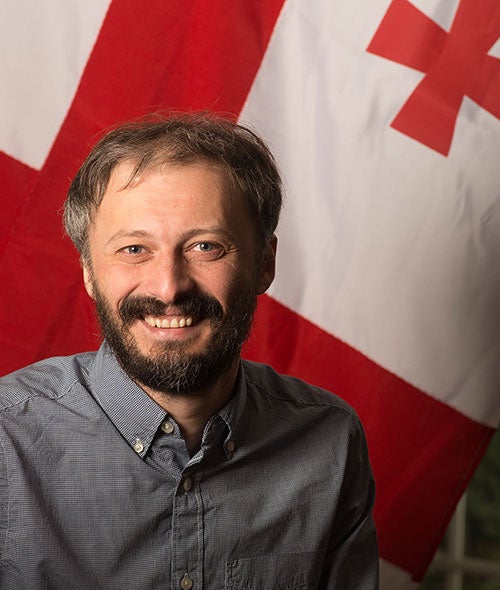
x=124 y=233
x=139 y=233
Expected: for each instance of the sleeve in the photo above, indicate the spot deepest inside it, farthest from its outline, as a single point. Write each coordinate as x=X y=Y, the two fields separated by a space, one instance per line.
x=352 y=559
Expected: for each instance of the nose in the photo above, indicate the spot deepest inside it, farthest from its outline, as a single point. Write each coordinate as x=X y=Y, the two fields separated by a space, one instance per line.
x=168 y=278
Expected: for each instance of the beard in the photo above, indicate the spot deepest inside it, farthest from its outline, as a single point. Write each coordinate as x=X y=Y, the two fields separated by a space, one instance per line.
x=169 y=367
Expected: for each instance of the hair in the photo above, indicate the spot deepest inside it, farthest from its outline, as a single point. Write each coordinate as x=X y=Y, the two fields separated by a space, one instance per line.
x=182 y=139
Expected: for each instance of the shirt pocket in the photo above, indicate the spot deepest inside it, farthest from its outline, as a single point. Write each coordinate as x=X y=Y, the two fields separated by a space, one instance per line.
x=283 y=571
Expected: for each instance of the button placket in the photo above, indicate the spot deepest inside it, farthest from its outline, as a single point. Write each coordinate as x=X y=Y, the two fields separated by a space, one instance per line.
x=188 y=541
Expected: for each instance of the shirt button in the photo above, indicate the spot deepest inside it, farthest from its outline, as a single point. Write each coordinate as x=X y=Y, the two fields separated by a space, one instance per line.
x=186 y=583
x=187 y=486
x=138 y=446
x=230 y=446
x=167 y=427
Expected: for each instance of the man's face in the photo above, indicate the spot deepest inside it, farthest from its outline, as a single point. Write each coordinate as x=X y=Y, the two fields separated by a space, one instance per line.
x=173 y=270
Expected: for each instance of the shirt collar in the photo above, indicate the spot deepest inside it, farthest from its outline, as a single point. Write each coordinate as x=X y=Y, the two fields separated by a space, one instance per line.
x=137 y=416
x=229 y=416
x=233 y=410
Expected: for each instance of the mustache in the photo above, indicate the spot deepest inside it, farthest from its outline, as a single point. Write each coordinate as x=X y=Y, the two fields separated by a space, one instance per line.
x=199 y=306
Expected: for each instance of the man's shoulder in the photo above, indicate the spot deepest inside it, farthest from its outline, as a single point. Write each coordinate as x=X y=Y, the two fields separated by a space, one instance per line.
x=287 y=388
x=50 y=378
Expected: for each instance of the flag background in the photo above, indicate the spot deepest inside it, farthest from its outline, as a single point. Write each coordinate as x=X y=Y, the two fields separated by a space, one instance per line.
x=387 y=283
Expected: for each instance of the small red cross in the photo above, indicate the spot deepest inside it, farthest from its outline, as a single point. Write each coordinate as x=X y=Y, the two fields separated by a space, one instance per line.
x=456 y=64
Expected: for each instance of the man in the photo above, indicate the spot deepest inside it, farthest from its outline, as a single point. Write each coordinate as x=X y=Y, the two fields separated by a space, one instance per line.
x=164 y=460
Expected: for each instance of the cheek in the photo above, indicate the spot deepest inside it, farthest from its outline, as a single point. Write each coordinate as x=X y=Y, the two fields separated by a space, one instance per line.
x=115 y=285
x=240 y=290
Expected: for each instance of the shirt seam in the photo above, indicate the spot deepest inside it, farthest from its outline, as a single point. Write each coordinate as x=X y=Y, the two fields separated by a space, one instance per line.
x=319 y=404
x=38 y=395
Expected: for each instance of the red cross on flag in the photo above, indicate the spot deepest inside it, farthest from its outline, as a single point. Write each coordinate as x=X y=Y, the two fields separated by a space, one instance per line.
x=456 y=64
x=384 y=117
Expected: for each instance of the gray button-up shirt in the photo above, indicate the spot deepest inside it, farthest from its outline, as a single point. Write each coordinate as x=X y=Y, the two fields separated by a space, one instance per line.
x=98 y=491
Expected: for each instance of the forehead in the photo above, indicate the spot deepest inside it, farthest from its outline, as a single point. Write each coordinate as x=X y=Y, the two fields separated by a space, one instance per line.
x=170 y=193
x=130 y=173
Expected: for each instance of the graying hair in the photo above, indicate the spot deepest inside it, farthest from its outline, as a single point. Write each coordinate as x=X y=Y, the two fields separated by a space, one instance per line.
x=182 y=139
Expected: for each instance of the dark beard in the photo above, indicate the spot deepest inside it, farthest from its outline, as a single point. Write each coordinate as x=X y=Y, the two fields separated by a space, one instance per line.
x=169 y=368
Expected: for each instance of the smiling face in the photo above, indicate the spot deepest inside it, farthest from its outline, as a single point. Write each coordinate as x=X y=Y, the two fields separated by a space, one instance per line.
x=174 y=272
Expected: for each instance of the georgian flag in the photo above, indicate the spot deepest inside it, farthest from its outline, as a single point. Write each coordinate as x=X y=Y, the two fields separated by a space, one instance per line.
x=384 y=117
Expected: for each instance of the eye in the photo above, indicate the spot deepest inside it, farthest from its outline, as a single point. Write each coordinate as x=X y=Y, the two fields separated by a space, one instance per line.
x=205 y=246
x=206 y=251
x=133 y=249
x=134 y=254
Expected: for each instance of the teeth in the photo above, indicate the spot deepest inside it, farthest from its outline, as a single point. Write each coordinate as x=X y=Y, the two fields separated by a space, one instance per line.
x=169 y=323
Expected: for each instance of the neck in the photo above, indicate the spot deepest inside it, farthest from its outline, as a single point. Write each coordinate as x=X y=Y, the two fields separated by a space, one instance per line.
x=193 y=410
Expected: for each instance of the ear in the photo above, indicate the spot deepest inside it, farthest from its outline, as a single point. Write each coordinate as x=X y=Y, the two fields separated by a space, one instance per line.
x=87 y=279
x=268 y=267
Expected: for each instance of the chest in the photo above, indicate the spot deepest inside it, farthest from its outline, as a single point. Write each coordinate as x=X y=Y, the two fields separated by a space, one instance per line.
x=82 y=515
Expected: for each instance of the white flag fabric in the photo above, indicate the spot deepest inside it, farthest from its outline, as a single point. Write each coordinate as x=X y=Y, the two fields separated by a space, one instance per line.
x=388 y=136
x=384 y=117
